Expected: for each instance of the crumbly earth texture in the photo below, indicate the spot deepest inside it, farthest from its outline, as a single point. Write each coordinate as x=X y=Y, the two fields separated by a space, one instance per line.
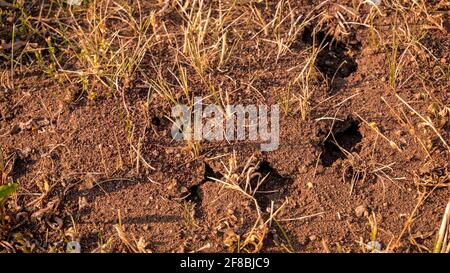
x=85 y=123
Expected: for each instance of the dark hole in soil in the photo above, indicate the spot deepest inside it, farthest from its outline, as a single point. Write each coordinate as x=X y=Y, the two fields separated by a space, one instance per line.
x=347 y=136
x=333 y=61
x=272 y=188
x=447 y=25
x=156 y=121
x=321 y=36
x=194 y=194
x=54 y=156
x=161 y=123
x=20 y=167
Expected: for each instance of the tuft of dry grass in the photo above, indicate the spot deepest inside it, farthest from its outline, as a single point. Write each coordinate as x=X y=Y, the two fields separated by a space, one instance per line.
x=442 y=244
x=247 y=182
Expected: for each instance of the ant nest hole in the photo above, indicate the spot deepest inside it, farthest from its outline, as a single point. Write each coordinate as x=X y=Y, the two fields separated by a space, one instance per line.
x=343 y=140
x=335 y=60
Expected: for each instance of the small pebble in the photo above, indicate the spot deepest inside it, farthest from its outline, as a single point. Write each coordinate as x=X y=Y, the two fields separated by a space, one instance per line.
x=82 y=202
x=374 y=246
x=73 y=247
x=59 y=222
x=73 y=2
x=303 y=169
x=360 y=211
x=374 y=2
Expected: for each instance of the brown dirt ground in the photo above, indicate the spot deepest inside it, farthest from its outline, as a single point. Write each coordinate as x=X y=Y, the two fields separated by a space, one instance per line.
x=82 y=150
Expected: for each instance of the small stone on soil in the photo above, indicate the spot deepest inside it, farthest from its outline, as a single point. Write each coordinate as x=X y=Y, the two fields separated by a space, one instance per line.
x=59 y=222
x=303 y=169
x=374 y=246
x=360 y=211
x=82 y=203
